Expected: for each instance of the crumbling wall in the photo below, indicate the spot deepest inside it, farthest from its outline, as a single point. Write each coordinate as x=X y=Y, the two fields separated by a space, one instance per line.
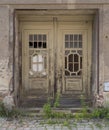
x=5 y=73
x=106 y=52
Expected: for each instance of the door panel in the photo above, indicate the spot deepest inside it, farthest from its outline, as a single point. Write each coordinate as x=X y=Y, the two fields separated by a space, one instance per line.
x=38 y=60
x=36 y=65
x=74 y=60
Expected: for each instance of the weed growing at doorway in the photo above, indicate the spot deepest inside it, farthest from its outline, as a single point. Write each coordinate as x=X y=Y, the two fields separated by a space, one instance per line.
x=3 y=112
x=9 y=114
x=47 y=109
x=67 y=124
x=14 y=113
x=82 y=101
x=100 y=113
x=56 y=103
x=56 y=117
x=84 y=111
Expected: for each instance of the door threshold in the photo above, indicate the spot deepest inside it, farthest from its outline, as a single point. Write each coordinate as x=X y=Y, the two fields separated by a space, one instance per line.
x=39 y=110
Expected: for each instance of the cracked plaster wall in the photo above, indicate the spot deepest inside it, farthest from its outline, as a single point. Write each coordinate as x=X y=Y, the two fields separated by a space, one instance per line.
x=5 y=73
x=106 y=48
x=106 y=41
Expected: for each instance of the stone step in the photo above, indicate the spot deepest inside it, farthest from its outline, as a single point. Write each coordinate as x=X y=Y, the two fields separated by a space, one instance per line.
x=69 y=102
x=71 y=96
x=39 y=111
x=33 y=102
x=63 y=103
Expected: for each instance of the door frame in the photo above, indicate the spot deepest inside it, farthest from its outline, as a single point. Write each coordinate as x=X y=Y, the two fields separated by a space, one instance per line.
x=85 y=27
x=19 y=18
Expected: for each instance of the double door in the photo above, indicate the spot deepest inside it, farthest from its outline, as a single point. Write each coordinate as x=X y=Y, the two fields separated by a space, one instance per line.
x=56 y=58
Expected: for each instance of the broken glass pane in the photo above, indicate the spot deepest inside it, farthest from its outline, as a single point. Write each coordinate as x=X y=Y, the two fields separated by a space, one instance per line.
x=35 y=44
x=35 y=67
x=40 y=58
x=39 y=44
x=40 y=67
x=44 y=44
x=30 y=44
x=35 y=58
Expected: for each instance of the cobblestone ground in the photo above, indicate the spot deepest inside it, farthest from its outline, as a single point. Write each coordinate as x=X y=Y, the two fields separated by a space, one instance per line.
x=39 y=124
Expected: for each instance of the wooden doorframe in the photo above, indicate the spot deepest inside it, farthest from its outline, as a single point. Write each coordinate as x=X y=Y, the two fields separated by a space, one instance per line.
x=82 y=26
x=17 y=50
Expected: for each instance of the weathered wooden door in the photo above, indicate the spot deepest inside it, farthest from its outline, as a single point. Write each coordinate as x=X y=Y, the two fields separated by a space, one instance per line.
x=74 y=62
x=37 y=63
x=56 y=57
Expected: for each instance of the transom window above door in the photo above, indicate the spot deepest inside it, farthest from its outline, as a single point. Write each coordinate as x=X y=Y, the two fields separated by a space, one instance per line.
x=37 y=41
x=73 y=41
